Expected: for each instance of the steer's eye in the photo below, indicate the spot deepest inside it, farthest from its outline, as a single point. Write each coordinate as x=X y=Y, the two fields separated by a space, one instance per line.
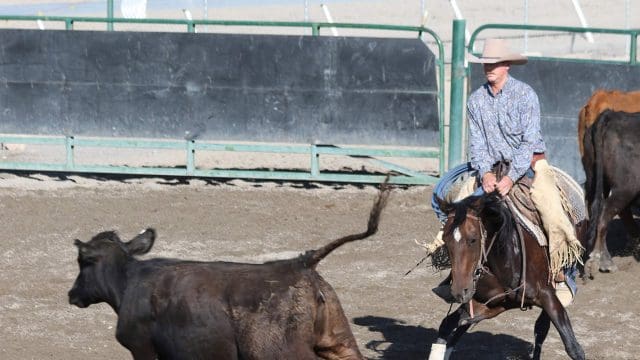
x=84 y=262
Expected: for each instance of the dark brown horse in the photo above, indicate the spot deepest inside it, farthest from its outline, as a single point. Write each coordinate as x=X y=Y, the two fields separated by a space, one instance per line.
x=497 y=267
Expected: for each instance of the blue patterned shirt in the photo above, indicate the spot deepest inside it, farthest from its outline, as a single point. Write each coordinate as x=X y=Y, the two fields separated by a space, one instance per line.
x=507 y=125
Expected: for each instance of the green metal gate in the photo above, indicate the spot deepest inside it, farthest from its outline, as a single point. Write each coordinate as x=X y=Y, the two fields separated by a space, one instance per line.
x=192 y=148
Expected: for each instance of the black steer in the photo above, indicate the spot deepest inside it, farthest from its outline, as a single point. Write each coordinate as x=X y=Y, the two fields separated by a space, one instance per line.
x=178 y=309
x=611 y=163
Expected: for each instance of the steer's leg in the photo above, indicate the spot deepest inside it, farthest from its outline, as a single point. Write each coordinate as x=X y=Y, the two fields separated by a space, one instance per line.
x=334 y=339
x=632 y=228
x=600 y=257
x=630 y=223
x=618 y=201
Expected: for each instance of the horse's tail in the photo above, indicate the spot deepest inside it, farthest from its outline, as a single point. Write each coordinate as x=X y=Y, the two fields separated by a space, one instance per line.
x=313 y=257
x=595 y=189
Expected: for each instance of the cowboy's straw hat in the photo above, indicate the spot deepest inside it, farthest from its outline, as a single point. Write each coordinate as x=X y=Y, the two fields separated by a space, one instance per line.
x=495 y=51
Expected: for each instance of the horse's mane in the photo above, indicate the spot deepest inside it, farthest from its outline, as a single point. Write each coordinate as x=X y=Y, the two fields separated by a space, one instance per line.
x=494 y=213
x=489 y=207
x=500 y=216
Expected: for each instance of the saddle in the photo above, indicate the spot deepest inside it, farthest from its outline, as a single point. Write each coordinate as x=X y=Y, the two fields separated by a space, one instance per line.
x=524 y=210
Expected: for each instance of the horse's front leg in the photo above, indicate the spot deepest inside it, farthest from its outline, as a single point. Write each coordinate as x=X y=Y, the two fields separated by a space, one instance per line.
x=477 y=311
x=448 y=334
x=456 y=324
x=560 y=319
x=540 y=333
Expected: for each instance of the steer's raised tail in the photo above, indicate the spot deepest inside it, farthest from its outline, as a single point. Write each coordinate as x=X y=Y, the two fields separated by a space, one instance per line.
x=313 y=257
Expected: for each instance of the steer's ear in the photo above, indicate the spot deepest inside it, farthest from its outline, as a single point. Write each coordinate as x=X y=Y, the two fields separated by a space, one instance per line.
x=142 y=243
x=86 y=252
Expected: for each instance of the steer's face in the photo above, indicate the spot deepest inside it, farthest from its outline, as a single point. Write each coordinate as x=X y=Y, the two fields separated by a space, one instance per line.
x=102 y=264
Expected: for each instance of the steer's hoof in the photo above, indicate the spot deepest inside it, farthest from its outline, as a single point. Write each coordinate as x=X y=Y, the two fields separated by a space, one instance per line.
x=607 y=266
x=591 y=266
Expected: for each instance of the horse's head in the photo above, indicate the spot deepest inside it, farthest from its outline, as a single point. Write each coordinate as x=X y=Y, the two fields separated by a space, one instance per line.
x=465 y=234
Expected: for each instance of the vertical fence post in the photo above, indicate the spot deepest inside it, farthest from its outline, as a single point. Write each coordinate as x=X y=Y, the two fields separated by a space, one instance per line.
x=191 y=154
x=633 y=47
x=69 y=150
x=315 y=162
x=110 y=15
x=457 y=93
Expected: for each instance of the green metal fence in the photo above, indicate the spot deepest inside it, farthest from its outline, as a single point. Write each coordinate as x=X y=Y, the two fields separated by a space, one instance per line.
x=191 y=168
x=632 y=34
x=400 y=174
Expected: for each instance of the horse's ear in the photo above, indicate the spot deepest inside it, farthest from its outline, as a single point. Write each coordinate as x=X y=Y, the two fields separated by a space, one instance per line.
x=477 y=205
x=444 y=205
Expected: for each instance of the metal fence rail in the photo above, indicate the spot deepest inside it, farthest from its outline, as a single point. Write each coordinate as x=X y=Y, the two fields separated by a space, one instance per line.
x=191 y=168
x=632 y=34
x=403 y=175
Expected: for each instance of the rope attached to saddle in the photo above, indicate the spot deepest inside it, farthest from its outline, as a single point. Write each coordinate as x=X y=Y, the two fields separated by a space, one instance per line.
x=444 y=187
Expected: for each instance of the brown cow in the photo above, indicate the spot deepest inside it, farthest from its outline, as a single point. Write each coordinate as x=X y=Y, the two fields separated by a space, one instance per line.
x=179 y=309
x=600 y=101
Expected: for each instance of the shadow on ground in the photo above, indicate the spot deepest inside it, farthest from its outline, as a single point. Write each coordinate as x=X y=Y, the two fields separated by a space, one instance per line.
x=408 y=342
x=185 y=180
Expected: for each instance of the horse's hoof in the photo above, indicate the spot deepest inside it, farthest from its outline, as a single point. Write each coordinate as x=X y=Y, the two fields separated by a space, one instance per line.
x=438 y=351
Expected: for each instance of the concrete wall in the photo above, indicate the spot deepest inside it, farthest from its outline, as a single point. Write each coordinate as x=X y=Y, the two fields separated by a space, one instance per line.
x=219 y=87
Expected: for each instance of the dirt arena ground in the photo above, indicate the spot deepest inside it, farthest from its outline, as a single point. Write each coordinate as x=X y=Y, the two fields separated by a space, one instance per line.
x=393 y=316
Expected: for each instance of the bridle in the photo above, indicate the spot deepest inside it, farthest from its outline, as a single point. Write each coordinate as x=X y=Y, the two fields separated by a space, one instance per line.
x=482 y=268
x=484 y=251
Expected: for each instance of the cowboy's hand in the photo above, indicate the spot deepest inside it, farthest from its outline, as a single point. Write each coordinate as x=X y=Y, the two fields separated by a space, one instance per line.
x=489 y=182
x=504 y=185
